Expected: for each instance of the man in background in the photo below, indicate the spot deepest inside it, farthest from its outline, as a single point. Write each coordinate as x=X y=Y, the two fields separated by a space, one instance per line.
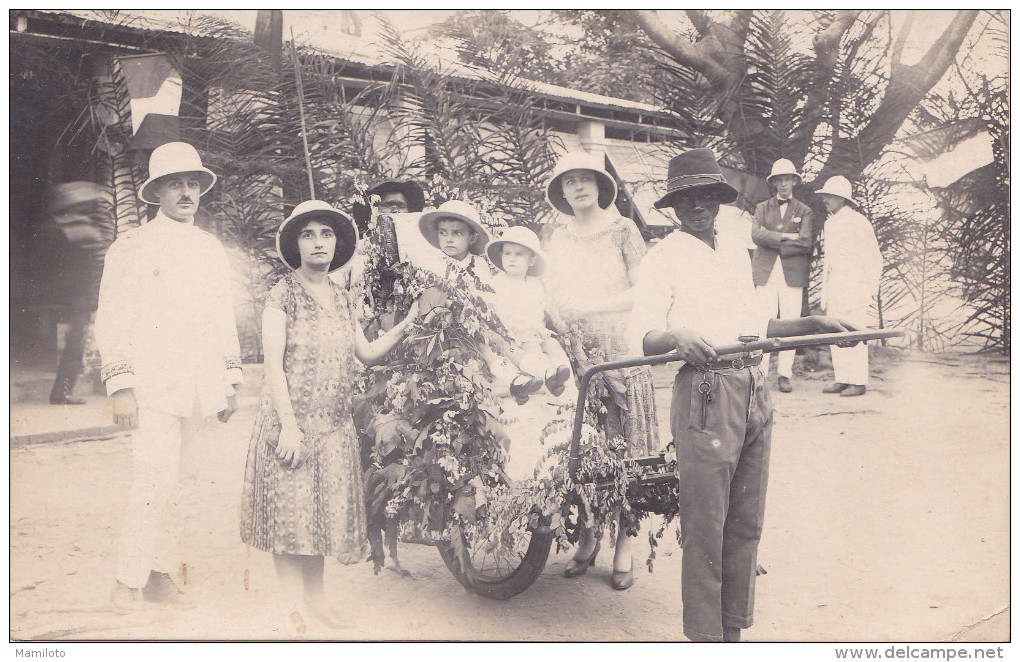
x=783 y=234
x=82 y=211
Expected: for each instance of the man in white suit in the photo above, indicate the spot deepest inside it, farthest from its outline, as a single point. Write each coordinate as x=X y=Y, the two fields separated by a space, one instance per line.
x=851 y=274
x=167 y=337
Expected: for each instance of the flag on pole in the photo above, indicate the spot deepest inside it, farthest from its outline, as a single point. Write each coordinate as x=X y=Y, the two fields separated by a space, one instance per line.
x=155 y=88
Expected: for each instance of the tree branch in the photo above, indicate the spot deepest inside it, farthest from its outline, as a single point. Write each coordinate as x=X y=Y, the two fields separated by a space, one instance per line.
x=682 y=50
x=826 y=46
x=901 y=38
x=826 y=42
x=700 y=21
x=739 y=24
x=941 y=53
x=908 y=84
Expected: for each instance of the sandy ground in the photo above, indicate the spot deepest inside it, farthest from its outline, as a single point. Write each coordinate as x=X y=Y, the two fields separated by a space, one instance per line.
x=887 y=520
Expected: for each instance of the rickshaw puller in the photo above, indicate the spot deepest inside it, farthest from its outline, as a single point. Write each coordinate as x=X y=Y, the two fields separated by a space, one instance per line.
x=695 y=291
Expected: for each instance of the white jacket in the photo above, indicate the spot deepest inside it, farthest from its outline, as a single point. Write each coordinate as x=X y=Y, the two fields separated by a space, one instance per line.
x=165 y=324
x=851 y=263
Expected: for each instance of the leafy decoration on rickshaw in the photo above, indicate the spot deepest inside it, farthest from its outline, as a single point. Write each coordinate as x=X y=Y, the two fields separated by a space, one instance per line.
x=437 y=385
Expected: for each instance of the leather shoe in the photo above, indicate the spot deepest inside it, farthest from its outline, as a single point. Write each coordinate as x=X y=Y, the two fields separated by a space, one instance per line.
x=784 y=384
x=523 y=387
x=623 y=580
x=853 y=390
x=67 y=400
x=556 y=382
x=837 y=387
x=578 y=567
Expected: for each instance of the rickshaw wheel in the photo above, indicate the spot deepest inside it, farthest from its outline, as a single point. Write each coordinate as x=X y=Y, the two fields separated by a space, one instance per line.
x=500 y=574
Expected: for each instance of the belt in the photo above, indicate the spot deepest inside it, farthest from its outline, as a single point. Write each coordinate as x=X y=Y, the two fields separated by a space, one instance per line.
x=738 y=363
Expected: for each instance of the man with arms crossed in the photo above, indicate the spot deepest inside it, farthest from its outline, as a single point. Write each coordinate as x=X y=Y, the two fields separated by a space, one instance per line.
x=782 y=231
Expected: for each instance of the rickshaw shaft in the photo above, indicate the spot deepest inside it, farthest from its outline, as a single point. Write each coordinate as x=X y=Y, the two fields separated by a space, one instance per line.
x=767 y=345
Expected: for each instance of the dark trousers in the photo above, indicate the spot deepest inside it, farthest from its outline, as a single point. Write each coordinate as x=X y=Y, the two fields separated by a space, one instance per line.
x=72 y=359
x=722 y=468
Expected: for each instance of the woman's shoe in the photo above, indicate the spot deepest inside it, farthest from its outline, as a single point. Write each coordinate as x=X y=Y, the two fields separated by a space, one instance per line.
x=576 y=568
x=837 y=387
x=623 y=580
x=556 y=382
x=853 y=390
x=523 y=387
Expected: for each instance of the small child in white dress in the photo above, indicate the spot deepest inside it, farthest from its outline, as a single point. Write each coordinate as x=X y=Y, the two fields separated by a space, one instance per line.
x=519 y=300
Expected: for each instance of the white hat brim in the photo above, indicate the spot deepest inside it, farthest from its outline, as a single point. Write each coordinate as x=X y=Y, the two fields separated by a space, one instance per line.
x=148 y=188
x=494 y=249
x=427 y=227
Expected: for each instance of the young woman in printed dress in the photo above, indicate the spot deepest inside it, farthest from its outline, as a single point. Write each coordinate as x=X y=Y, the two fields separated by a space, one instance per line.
x=592 y=263
x=303 y=497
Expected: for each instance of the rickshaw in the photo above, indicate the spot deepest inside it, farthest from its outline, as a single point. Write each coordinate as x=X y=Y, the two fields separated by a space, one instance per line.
x=504 y=573
x=504 y=567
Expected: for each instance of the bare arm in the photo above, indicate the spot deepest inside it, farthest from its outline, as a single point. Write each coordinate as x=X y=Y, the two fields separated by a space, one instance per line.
x=370 y=352
x=802 y=326
x=274 y=344
x=688 y=343
x=696 y=350
x=632 y=251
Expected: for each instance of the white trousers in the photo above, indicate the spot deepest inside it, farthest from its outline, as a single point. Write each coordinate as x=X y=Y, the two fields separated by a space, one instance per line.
x=161 y=450
x=780 y=300
x=850 y=364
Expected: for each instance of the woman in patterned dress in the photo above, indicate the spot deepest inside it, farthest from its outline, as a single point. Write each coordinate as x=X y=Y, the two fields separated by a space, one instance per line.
x=303 y=496
x=592 y=262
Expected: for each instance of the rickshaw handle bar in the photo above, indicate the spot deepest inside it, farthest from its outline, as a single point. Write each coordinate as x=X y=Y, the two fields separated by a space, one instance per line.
x=767 y=346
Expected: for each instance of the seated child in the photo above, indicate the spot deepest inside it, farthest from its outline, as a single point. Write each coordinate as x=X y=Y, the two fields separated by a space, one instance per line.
x=519 y=300
x=455 y=229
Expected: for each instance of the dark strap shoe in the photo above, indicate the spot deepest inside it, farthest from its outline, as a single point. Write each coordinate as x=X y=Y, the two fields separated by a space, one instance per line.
x=621 y=581
x=556 y=382
x=523 y=387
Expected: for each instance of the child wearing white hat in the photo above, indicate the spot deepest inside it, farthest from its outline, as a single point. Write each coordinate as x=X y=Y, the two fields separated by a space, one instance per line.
x=455 y=228
x=519 y=301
